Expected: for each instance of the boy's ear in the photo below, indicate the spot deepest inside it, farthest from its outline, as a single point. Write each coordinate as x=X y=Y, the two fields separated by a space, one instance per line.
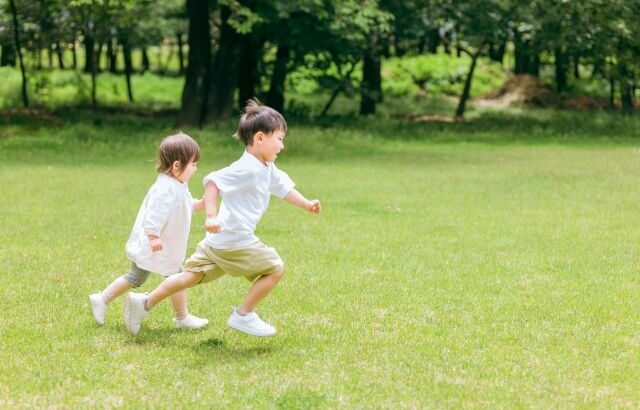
x=258 y=137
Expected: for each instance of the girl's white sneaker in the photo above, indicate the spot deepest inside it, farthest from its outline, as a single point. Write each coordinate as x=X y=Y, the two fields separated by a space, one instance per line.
x=98 y=307
x=191 y=322
x=251 y=324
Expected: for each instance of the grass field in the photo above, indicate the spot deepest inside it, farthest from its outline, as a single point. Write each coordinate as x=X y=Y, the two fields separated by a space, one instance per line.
x=488 y=264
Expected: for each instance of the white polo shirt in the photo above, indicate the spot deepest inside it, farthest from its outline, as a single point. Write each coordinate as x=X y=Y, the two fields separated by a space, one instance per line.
x=165 y=212
x=245 y=186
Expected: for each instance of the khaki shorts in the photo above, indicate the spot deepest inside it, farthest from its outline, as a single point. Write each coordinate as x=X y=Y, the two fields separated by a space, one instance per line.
x=251 y=262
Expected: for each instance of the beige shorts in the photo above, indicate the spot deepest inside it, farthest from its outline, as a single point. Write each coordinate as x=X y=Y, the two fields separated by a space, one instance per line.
x=251 y=262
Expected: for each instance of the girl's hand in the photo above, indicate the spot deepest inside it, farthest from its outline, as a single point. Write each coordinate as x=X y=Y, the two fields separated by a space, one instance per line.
x=313 y=206
x=155 y=243
x=212 y=225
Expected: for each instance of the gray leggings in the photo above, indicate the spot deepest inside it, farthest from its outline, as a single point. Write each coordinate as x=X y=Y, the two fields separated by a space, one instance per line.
x=136 y=276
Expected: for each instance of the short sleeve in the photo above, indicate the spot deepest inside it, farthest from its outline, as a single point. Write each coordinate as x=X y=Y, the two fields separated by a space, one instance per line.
x=159 y=205
x=229 y=179
x=280 y=184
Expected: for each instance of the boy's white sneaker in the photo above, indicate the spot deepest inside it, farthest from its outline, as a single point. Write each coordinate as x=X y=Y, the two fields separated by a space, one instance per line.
x=134 y=311
x=251 y=324
x=98 y=307
x=191 y=322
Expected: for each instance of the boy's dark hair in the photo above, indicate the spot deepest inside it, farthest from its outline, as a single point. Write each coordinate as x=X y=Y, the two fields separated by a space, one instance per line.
x=179 y=147
x=257 y=117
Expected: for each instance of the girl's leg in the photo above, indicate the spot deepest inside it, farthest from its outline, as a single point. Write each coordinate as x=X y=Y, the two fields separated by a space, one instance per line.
x=172 y=285
x=179 y=304
x=259 y=290
x=117 y=288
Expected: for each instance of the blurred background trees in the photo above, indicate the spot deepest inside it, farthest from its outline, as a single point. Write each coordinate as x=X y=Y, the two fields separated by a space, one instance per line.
x=227 y=51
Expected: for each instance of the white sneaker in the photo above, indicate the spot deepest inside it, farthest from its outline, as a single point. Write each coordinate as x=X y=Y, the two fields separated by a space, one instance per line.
x=251 y=324
x=134 y=311
x=191 y=322
x=98 y=307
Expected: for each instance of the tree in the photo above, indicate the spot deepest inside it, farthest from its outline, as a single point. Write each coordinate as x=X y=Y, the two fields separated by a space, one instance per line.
x=477 y=24
x=195 y=92
x=18 y=47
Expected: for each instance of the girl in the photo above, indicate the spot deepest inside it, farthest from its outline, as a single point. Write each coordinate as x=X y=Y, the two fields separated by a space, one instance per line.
x=158 y=242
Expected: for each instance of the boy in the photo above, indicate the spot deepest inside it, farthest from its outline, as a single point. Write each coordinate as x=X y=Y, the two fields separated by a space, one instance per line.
x=230 y=245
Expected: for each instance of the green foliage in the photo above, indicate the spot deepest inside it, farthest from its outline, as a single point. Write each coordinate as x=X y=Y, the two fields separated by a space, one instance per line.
x=56 y=88
x=439 y=74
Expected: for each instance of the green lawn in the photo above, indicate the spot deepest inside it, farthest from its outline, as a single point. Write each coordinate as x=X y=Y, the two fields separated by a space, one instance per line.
x=489 y=264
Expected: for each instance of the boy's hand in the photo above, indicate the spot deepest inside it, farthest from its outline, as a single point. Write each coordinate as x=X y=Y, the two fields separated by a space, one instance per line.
x=155 y=243
x=313 y=206
x=212 y=225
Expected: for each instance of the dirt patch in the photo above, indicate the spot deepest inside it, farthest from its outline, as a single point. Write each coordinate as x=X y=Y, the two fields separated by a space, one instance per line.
x=434 y=118
x=522 y=91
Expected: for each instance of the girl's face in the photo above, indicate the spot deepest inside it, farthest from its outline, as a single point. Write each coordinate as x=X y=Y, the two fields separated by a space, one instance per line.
x=186 y=173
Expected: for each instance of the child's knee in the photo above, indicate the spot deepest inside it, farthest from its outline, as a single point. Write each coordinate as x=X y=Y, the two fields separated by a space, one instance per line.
x=192 y=278
x=136 y=279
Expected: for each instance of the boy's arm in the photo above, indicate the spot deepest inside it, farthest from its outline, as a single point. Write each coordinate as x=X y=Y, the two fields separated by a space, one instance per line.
x=210 y=199
x=296 y=198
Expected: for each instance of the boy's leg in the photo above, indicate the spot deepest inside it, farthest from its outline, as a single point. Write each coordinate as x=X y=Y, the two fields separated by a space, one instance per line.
x=259 y=290
x=183 y=318
x=137 y=305
x=172 y=285
x=99 y=302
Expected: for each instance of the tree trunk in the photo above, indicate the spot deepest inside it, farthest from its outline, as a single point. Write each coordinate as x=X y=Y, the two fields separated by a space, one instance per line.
x=50 y=55
x=60 y=56
x=180 y=53
x=249 y=67
x=8 y=57
x=561 y=66
x=98 y=57
x=18 y=47
x=89 y=53
x=434 y=40
x=196 y=86
x=496 y=52
x=370 y=87
x=612 y=92
x=224 y=74
x=626 y=90
x=112 y=56
x=275 y=97
x=74 y=56
x=128 y=65
x=341 y=87
x=576 y=66
x=466 y=92
x=145 y=60
x=38 y=57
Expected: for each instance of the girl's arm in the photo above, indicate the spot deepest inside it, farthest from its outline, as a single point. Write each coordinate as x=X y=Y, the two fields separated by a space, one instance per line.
x=198 y=204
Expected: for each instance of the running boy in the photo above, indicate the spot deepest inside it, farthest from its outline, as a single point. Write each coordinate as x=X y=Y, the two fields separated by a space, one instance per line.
x=230 y=245
x=158 y=242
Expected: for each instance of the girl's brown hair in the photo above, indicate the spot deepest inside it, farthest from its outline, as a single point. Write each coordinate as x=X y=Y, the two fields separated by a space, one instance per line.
x=179 y=147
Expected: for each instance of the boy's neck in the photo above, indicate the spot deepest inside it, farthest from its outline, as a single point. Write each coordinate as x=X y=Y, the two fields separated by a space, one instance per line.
x=251 y=150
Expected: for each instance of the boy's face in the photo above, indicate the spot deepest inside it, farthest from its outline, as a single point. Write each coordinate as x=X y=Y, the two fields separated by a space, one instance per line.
x=270 y=145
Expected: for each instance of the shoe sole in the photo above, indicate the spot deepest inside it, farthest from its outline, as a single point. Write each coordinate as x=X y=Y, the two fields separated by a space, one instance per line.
x=191 y=328
x=248 y=331
x=93 y=313
x=127 y=309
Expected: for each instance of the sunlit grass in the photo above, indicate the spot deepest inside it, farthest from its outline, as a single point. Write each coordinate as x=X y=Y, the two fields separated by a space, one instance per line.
x=490 y=264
